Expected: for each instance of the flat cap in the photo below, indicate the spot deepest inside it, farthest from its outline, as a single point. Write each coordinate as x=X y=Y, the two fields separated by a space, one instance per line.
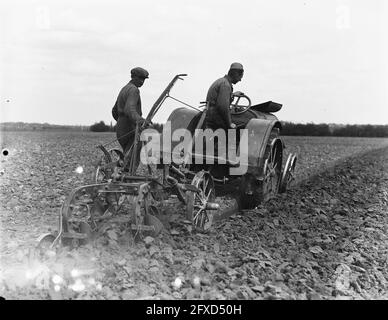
x=139 y=72
x=237 y=66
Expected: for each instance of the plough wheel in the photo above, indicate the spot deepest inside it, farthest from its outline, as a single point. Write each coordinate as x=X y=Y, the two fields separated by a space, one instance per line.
x=45 y=242
x=271 y=173
x=81 y=228
x=78 y=215
x=288 y=173
x=102 y=174
x=197 y=210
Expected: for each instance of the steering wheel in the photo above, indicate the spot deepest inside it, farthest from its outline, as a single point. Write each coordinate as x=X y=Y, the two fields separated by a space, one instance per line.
x=236 y=108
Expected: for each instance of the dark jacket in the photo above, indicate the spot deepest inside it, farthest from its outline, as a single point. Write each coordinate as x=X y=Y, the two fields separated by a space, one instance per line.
x=219 y=98
x=128 y=103
x=128 y=110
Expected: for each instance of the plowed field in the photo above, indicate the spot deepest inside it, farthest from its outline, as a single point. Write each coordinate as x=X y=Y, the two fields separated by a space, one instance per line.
x=324 y=239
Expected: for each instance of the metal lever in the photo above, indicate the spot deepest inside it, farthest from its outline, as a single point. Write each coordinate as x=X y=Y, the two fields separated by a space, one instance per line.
x=182 y=75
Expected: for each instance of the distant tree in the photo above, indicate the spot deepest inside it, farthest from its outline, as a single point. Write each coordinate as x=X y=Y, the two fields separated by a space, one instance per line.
x=362 y=131
x=311 y=129
x=99 y=127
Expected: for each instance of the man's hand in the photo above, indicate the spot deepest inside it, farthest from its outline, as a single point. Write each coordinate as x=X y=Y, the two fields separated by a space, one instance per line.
x=149 y=124
x=143 y=122
x=238 y=94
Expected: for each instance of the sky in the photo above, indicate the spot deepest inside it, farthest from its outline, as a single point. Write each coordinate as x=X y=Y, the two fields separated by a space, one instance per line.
x=64 y=62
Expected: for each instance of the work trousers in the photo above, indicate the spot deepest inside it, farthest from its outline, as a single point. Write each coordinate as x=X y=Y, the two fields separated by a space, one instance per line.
x=125 y=133
x=218 y=170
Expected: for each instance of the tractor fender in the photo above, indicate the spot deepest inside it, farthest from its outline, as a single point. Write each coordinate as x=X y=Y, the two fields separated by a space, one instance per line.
x=181 y=118
x=259 y=131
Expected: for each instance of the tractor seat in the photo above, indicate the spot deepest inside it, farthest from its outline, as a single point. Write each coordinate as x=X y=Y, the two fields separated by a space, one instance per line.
x=239 y=120
x=194 y=123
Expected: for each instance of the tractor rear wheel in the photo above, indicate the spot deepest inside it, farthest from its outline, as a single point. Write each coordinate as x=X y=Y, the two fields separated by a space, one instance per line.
x=253 y=191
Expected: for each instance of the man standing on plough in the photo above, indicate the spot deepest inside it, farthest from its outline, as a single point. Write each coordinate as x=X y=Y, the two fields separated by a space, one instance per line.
x=127 y=109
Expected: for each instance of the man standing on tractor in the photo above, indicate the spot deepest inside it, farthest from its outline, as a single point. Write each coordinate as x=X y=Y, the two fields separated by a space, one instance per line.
x=127 y=109
x=218 y=116
x=219 y=98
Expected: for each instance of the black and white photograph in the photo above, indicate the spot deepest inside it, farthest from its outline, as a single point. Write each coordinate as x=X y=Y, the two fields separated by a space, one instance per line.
x=210 y=152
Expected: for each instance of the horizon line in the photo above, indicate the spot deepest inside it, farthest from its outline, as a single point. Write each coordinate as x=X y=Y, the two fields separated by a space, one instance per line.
x=88 y=125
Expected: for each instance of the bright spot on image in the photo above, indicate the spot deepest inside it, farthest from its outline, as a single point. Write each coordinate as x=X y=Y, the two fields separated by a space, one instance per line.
x=57 y=288
x=29 y=274
x=57 y=279
x=99 y=286
x=50 y=253
x=75 y=273
x=197 y=281
x=78 y=286
x=79 y=169
x=92 y=281
x=177 y=283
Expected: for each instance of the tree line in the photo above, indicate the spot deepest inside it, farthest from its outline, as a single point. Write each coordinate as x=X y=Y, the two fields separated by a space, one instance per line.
x=102 y=127
x=335 y=130
x=295 y=129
